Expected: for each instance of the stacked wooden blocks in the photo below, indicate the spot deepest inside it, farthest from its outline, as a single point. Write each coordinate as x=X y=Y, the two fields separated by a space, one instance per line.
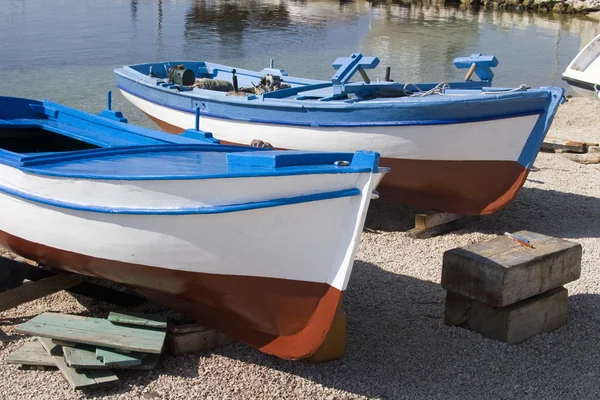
x=507 y=291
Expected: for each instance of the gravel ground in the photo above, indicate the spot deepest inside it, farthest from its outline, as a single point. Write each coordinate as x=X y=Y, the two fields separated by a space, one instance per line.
x=397 y=346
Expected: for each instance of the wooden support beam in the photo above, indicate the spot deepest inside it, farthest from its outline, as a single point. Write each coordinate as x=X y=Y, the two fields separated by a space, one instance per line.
x=30 y=291
x=436 y=223
x=12 y=274
x=554 y=145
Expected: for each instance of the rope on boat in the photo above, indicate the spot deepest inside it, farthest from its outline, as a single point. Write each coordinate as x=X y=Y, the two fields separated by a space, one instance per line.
x=522 y=87
x=440 y=87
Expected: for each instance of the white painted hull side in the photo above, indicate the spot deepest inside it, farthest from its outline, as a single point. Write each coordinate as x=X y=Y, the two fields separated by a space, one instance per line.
x=312 y=241
x=585 y=68
x=496 y=140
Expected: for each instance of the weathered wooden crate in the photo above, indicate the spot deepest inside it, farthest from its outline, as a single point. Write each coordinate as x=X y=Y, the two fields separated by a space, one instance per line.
x=501 y=272
x=507 y=291
x=191 y=338
x=513 y=324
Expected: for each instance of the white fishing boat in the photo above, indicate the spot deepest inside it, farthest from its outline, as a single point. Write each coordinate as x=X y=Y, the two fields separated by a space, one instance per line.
x=461 y=147
x=256 y=243
x=583 y=73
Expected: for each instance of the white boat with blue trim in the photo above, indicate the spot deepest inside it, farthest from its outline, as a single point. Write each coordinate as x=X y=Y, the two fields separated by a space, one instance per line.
x=256 y=243
x=583 y=73
x=461 y=147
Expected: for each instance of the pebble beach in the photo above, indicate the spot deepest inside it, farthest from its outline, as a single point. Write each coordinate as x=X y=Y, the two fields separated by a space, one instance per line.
x=397 y=344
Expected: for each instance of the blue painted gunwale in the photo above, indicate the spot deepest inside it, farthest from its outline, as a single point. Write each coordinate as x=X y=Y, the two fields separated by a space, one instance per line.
x=108 y=160
x=406 y=111
x=229 y=208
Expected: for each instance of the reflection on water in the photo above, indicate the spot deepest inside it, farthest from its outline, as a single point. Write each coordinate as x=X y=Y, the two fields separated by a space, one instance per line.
x=67 y=52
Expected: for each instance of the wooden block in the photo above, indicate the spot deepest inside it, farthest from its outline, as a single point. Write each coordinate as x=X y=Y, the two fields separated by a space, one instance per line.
x=191 y=338
x=501 y=272
x=114 y=358
x=425 y=221
x=29 y=291
x=152 y=321
x=553 y=144
x=334 y=346
x=31 y=353
x=513 y=324
x=438 y=223
x=77 y=378
x=95 y=331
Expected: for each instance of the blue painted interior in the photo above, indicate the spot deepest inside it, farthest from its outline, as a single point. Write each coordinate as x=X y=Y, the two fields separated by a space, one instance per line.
x=130 y=152
x=338 y=103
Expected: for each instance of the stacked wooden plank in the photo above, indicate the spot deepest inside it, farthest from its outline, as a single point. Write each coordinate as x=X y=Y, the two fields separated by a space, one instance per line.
x=87 y=350
x=508 y=289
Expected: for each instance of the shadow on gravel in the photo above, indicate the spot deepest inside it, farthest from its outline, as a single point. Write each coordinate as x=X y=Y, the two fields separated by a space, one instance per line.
x=549 y=212
x=399 y=347
x=5 y=339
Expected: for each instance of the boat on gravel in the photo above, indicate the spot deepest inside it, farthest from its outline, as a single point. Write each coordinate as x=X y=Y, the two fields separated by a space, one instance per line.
x=256 y=243
x=583 y=73
x=461 y=147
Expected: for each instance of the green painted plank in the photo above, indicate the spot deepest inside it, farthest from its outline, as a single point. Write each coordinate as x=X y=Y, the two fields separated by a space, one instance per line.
x=95 y=331
x=83 y=357
x=77 y=378
x=114 y=358
x=149 y=320
x=31 y=353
